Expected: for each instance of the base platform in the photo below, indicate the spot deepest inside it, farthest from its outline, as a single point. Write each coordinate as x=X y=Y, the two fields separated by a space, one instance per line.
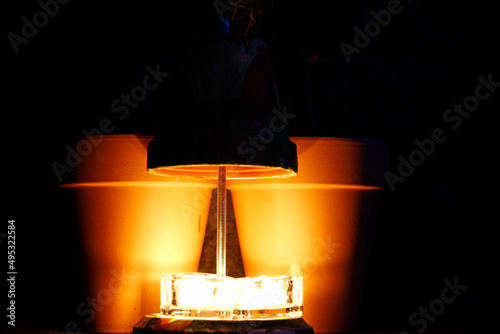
x=158 y=324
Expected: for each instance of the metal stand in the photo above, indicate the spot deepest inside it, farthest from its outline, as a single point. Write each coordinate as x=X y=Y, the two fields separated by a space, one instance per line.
x=221 y=221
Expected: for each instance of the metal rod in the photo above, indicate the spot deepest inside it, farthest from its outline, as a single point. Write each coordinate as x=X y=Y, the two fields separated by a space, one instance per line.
x=221 y=221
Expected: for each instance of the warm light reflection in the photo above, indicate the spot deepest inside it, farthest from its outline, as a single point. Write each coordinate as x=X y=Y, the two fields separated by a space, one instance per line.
x=127 y=217
x=208 y=296
x=245 y=172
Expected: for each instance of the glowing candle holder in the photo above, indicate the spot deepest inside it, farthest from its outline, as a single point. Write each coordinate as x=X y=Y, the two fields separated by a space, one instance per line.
x=212 y=297
x=196 y=295
x=274 y=297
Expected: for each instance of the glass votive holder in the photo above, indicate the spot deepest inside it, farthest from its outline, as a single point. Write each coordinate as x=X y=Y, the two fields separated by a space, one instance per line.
x=197 y=295
x=269 y=297
x=212 y=297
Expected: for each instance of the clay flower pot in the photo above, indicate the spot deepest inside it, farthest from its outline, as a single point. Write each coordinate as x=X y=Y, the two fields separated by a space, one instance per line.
x=134 y=228
x=317 y=224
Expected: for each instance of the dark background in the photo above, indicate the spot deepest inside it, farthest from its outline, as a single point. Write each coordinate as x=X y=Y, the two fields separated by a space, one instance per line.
x=439 y=224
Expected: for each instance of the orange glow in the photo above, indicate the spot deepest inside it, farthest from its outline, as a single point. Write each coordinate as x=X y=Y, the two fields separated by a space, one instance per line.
x=317 y=225
x=135 y=227
x=233 y=171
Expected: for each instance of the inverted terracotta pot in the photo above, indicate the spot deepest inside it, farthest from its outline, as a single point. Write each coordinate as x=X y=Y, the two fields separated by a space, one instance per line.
x=134 y=227
x=318 y=224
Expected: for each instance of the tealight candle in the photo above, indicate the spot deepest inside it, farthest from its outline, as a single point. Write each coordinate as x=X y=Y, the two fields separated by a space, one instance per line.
x=209 y=296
